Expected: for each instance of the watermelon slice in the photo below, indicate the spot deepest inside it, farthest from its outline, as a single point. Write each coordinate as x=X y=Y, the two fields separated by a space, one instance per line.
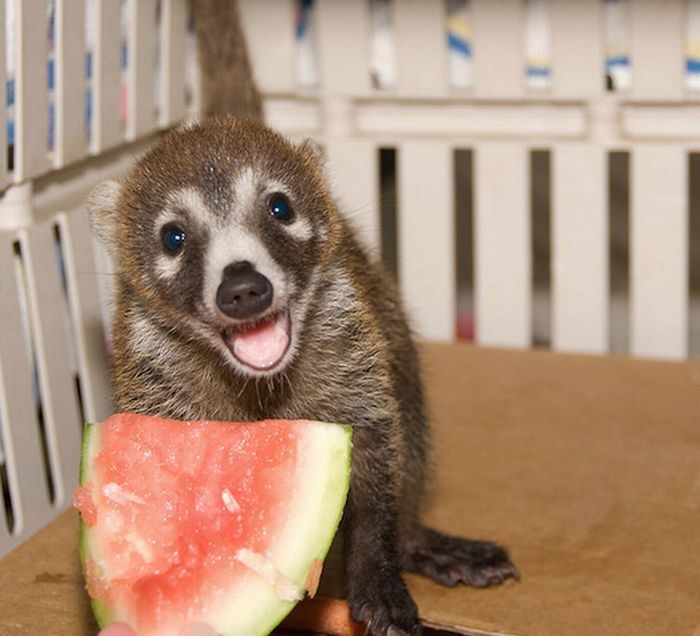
x=191 y=523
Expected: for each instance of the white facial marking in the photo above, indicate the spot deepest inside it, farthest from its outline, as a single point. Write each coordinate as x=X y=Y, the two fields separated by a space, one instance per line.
x=299 y=229
x=191 y=200
x=245 y=189
x=167 y=266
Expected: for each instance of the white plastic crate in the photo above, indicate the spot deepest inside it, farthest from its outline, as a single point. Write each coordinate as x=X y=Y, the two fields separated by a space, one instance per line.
x=425 y=78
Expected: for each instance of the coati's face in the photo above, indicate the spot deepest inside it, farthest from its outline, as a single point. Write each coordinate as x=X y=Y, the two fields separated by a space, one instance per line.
x=222 y=229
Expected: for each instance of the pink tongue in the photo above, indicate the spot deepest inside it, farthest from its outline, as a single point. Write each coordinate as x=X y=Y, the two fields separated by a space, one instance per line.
x=263 y=346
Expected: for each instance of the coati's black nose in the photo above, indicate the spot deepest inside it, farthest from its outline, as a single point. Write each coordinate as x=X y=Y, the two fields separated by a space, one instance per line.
x=244 y=292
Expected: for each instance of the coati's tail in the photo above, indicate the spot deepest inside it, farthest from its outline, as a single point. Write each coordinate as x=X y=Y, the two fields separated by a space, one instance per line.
x=227 y=79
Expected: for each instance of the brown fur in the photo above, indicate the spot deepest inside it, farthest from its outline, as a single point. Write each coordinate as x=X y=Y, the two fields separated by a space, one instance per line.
x=355 y=360
x=222 y=46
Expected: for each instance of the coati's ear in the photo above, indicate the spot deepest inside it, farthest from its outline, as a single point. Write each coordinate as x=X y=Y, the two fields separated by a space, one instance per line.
x=102 y=210
x=313 y=151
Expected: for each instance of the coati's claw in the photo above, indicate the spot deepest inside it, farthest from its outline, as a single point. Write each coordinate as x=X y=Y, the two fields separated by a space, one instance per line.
x=451 y=560
x=390 y=612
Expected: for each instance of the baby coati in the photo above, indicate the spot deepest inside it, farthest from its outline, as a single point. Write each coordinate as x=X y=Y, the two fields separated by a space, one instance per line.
x=244 y=294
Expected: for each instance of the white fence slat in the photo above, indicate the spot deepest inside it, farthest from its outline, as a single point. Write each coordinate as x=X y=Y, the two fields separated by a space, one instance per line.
x=106 y=126
x=85 y=305
x=141 y=75
x=53 y=358
x=580 y=248
x=4 y=177
x=354 y=171
x=421 y=48
x=172 y=73
x=425 y=236
x=269 y=30
x=658 y=56
x=18 y=417
x=341 y=71
x=70 y=142
x=31 y=90
x=499 y=48
x=577 y=49
x=659 y=251
x=503 y=263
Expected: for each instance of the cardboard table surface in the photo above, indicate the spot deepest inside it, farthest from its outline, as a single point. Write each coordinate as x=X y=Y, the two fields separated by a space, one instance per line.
x=587 y=468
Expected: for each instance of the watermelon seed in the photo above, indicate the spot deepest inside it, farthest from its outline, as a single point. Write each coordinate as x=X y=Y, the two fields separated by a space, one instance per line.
x=285 y=589
x=120 y=495
x=229 y=501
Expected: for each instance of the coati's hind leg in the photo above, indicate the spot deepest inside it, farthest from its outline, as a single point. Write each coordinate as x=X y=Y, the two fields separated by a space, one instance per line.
x=450 y=560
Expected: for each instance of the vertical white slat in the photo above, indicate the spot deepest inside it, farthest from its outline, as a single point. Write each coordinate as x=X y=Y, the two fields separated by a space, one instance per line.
x=141 y=76
x=106 y=127
x=580 y=248
x=503 y=263
x=421 y=46
x=70 y=142
x=577 y=49
x=86 y=315
x=31 y=91
x=47 y=310
x=18 y=416
x=269 y=32
x=341 y=72
x=658 y=56
x=499 y=48
x=426 y=236
x=354 y=172
x=659 y=251
x=172 y=73
x=4 y=177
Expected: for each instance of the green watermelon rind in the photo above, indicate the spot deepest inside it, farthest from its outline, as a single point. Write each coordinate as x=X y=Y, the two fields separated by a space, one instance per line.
x=332 y=504
x=91 y=434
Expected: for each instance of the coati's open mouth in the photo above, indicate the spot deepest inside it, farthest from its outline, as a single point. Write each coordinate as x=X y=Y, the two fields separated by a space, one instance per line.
x=260 y=344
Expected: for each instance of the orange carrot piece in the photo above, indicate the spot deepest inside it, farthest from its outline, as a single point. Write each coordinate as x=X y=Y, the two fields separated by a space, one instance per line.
x=322 y=615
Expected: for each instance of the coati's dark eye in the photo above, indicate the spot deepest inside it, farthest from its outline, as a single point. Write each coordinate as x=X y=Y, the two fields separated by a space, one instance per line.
x=280 y=207
x=173 y=238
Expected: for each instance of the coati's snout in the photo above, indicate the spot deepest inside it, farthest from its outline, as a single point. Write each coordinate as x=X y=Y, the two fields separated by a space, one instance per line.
x=259 y=339
x=244 y=292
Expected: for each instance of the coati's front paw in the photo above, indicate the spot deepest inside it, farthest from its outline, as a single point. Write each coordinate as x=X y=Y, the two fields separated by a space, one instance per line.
x=387 y=610
x=451 y=560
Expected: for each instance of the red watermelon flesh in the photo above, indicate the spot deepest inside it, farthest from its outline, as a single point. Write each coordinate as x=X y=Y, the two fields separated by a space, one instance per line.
x=187 y=523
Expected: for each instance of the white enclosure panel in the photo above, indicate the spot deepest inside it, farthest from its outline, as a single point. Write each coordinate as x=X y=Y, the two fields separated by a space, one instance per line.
x=580 y=248
x=577 y=49
x=661 y=121
x=70 y=140
x=503 y=260
x=499 y=49
x=421 y=48
x=106 y=126
x=141 y=76
x=659 y=244
x=426 y=236
x=173 y=29
x=343 y=51
x=47 y=310
x=83 y=282
x=3 y=109
x=269 y=31
x=31 y=92
x=470 y=120
x=18 y=415
x=658 y=57
x=354 y=172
